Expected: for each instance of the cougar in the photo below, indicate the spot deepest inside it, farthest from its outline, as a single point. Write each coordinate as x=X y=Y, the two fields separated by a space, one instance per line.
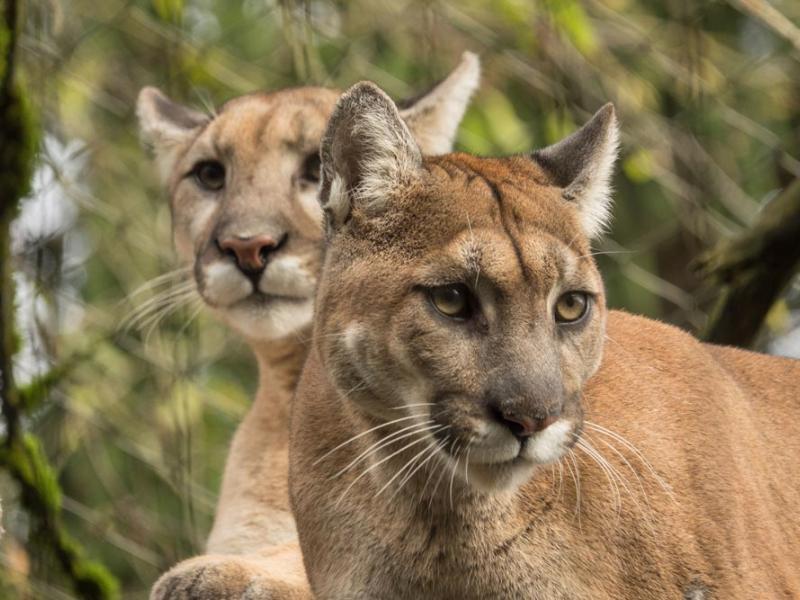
x=243 y=186
x=473 y=422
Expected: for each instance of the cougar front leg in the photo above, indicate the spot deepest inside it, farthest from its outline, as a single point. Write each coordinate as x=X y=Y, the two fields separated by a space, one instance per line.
x=252 y=550
x=278 y=575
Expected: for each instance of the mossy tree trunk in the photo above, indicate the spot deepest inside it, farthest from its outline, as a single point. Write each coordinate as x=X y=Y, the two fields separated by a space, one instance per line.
x=21 y=453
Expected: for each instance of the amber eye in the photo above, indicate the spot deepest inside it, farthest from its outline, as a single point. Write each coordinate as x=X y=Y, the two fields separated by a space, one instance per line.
x=311 y=167
x=452 y=301
x=210 y=175
x=571 y=307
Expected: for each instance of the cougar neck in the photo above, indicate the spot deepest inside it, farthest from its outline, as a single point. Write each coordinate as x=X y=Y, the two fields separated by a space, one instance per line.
x=280 y=362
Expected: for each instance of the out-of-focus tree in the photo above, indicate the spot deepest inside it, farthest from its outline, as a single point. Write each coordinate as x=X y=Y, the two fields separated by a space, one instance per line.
x=138 y=422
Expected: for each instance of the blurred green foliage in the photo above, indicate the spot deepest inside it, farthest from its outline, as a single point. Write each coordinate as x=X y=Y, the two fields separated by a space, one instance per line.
x=138 y=425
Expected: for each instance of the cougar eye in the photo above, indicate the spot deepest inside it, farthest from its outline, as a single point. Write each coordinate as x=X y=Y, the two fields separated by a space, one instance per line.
x=311 y=167
x=571 y=307
x=452 y=301
x=210 y=175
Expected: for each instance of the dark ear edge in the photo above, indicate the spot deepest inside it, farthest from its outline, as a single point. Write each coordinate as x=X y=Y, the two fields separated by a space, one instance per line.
x=565 y=160
x=162 y=120
x=366 y=151
x=582 y=165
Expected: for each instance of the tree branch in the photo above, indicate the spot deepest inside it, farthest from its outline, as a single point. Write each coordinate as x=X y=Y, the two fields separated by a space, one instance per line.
x=772 y=18
x=752 y=269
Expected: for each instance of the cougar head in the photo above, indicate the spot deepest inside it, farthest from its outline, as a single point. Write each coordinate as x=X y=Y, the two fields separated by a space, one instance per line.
x=243 y=185
x=461 y=291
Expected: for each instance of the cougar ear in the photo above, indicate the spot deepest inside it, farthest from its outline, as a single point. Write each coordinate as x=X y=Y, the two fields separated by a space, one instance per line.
x=434 y=117
x=367 y=152
x=165 y=124
x=582 y=164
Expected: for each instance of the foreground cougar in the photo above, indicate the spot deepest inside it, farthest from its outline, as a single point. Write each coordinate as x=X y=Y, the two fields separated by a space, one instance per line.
x=243 y=186
x=473 y=423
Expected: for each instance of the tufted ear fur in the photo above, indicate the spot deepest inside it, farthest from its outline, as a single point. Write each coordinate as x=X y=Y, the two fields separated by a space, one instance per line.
x=434 y=117
x=582 y=164
x=165 y=125
x=367 y=152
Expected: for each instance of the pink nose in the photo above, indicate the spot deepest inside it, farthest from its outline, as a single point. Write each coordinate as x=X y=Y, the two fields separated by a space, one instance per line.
x=525 y=426
x=251 y=253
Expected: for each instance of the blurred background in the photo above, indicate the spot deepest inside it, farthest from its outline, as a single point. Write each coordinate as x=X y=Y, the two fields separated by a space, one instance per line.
x=136 y=420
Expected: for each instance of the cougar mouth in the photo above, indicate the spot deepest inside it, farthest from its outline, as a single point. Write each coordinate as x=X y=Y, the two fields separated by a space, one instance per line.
x=223 y=286
x=489 y=456
x=257 y=302
x=264 y=306
x=259 y=298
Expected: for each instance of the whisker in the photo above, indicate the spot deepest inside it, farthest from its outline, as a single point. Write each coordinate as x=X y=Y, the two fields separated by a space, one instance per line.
x=408 y=464
x=647 y=514
x=357 y=387
x=435 y=448
x=377 y=464
x=389 y=440
x=161 y=298
x=167 y=277
x=466 y=462
x=362 y=434
x=150 y=325
x=577 y=235
x=453 y=475
x=438 y=481
x=149 y=320
x=173 y=287
x=577 y=479
x=627 y=463
x=592 y=453
x=607 y=252
x=612 y=434
x=165 y=299
x=440 y=458
x=645 y=510
x=198 y=307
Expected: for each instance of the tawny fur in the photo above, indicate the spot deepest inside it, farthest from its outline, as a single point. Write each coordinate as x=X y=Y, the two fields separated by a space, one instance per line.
x=264 y=141
x=698 y=493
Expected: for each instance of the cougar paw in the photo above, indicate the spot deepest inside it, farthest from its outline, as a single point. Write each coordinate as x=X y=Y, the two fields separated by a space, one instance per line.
x=223 y=578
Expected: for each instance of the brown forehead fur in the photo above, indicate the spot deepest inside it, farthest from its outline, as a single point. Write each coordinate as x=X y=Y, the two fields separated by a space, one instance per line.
x=513 y=191
x=297 y=116
x=458 y=192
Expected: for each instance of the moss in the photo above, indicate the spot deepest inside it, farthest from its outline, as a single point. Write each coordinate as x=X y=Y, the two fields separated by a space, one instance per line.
x=94 y=581
x=33 y=394
x=41 y=495
x=18 y=151
x=5 y=39
x=22 y=453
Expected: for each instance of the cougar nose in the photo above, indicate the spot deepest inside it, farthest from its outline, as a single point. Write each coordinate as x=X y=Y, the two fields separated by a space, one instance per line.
x=524 y=426
x=251 y=253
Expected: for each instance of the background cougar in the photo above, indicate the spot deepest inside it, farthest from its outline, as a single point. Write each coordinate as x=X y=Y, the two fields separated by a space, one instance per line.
x=432 y=433
x=243 y=188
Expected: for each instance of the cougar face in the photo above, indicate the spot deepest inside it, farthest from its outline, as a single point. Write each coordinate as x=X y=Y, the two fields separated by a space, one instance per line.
x=245 y=210
x=485 y=311
x=243 y=185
